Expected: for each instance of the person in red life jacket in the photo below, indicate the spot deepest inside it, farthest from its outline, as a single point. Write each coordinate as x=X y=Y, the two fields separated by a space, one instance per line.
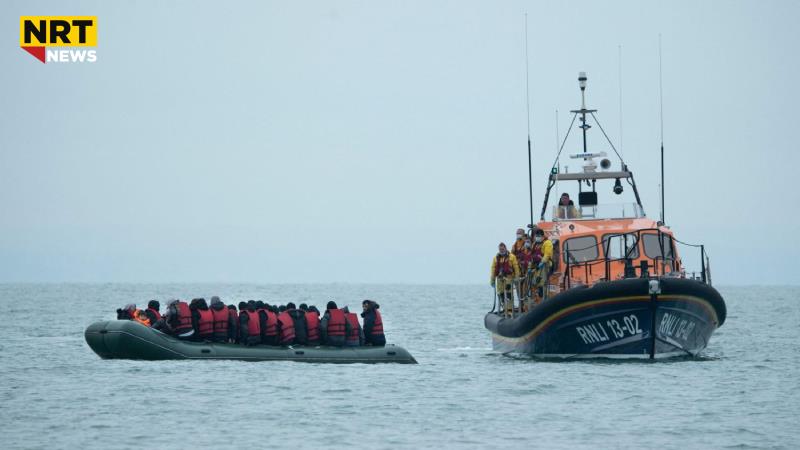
x=221 y=320
x=233 y=328
x=271 y=334
x=300 y=327
x=502 y=274
x=178 y=319
x=519 y=244
x=312 y=324
x=286 y=327
x=152 y=312
x=202 y=319
x=354 y=337
x=373 y=324
x=249 y=326
x=333 y=326
x=526 y=266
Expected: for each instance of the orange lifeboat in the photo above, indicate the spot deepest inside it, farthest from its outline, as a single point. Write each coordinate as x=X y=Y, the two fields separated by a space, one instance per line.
x=617 y=286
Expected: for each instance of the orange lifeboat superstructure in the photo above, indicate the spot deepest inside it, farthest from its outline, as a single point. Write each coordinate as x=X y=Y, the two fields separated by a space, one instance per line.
x=617 y=286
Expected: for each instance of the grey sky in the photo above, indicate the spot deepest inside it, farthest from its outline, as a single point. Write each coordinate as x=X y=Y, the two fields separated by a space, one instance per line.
x=381 y=141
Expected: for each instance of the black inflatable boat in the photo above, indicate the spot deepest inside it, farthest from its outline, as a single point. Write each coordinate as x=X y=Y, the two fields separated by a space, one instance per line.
x=126 y=339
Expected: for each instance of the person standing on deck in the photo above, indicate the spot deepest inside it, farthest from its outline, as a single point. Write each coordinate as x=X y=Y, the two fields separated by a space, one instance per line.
x=519 y=244
x=503 y=272
x=543 y=260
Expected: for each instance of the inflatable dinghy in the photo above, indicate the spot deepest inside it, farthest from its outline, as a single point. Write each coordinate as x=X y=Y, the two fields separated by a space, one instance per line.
x=126 y=339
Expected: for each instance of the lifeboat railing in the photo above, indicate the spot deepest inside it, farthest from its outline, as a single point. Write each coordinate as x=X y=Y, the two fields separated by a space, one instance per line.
x=648 y=265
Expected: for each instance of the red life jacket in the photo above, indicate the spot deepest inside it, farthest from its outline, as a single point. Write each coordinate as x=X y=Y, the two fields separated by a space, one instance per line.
x=537 y=252
x=287 y=327
x=336 y=322
x=272 y=324
x=233 y=315
x=253 y=326
x=312 y=324
x=205 y=323
x=155 y=312
x=353 y=335
x=184 y=321
x=221 y=319
x=524 y=258
x=503 y=266
x=377 y=328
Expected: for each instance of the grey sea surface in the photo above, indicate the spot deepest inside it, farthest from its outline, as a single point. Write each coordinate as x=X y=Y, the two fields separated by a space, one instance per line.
x=56 y=393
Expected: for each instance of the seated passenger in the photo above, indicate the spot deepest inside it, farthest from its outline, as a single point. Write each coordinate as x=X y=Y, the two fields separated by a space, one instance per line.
x=312 y=324
x=249 y=326
x=300 y=327
x=286 y=327
x=373 y=324
x=566 y=208
x=202 y=319
x=152 y=312
x=233 y=327
x=178 y=319
x=333 y=326
x=222 y=320
x=354 y=336
x=269 y=324
x=126 y=312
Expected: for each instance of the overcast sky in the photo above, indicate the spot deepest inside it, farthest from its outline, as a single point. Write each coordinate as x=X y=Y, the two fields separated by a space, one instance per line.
x=343 y=141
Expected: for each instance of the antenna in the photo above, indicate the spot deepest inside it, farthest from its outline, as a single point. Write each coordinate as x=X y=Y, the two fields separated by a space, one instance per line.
x=661 y=104
x=528 y=110
x=619 y=55
x=558 y=162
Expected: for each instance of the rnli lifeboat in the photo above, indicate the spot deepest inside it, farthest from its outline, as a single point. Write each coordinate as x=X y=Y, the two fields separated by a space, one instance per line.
x=619 y=285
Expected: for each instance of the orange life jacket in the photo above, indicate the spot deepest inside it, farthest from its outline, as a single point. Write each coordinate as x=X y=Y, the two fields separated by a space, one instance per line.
x=253 y=325
x=141 y=317
x=336 y=322
x=184 y=320
x=353 y=335
x=287 y=328
x=221 y=321
x=312 y=324
x=205 y=323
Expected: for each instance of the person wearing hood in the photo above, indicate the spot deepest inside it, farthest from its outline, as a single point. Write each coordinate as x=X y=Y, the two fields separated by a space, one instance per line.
x=286 y=326
x=249 y=324
x=221 y=320
x=355 y=335
x=178 y=319
x=300 y=326
x=333 y=326
x=373 y=324
x=152 y=311
x=312 y=324
x=202 y=319
x=233 y=328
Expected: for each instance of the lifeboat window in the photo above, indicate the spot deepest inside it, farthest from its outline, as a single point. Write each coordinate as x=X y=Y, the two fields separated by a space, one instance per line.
x=652 y=248
x=581 y=249
x=621 y=246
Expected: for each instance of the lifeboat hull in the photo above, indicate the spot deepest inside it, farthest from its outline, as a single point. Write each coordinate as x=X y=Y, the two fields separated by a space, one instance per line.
x=125 y=339
x=617 y=319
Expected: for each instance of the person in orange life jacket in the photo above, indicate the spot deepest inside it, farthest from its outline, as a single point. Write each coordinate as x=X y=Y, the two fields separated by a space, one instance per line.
x=126 y=312
x=268 y=321
x=286 y=326
x=202 y=319
x=312 y=323
x=153 y=312
x=249 y=327
x=519 y=244
x=233 y=329
x=178 y=319
x=355 y=335
x=221 y=320
x=300 y=326
x=373 y=324
x=333 y=326
x=503 y=272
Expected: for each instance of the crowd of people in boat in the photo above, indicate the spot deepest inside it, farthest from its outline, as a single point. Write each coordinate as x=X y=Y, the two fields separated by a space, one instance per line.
x=526 y=267
x=259 y=323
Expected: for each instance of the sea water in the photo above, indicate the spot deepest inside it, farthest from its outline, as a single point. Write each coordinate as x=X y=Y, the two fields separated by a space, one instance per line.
x=56 y=393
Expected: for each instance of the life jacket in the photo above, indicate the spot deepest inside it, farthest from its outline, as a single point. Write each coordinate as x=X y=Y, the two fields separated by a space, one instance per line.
x=524 y=258
x=155 y=312
x=503 y=266
x=287 y=327
x=519 y=244
x=272 y=324
x=377 y=328
x=141 y=317
x=184 y=320
x=253 y=326
x=353 y=335
x=221 y=319
x=336 y=322
x=205 y=323
x=312 y=324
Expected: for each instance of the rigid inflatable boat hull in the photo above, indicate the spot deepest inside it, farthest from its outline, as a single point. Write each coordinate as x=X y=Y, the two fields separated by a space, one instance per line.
x=125 y=339
x=617 y=319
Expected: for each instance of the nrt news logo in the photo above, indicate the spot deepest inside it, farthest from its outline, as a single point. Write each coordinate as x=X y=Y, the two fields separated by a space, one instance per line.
x=37 y=34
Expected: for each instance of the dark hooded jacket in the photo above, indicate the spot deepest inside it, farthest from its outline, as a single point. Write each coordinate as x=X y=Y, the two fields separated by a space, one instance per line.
x=300 y=329
x=370 y=336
